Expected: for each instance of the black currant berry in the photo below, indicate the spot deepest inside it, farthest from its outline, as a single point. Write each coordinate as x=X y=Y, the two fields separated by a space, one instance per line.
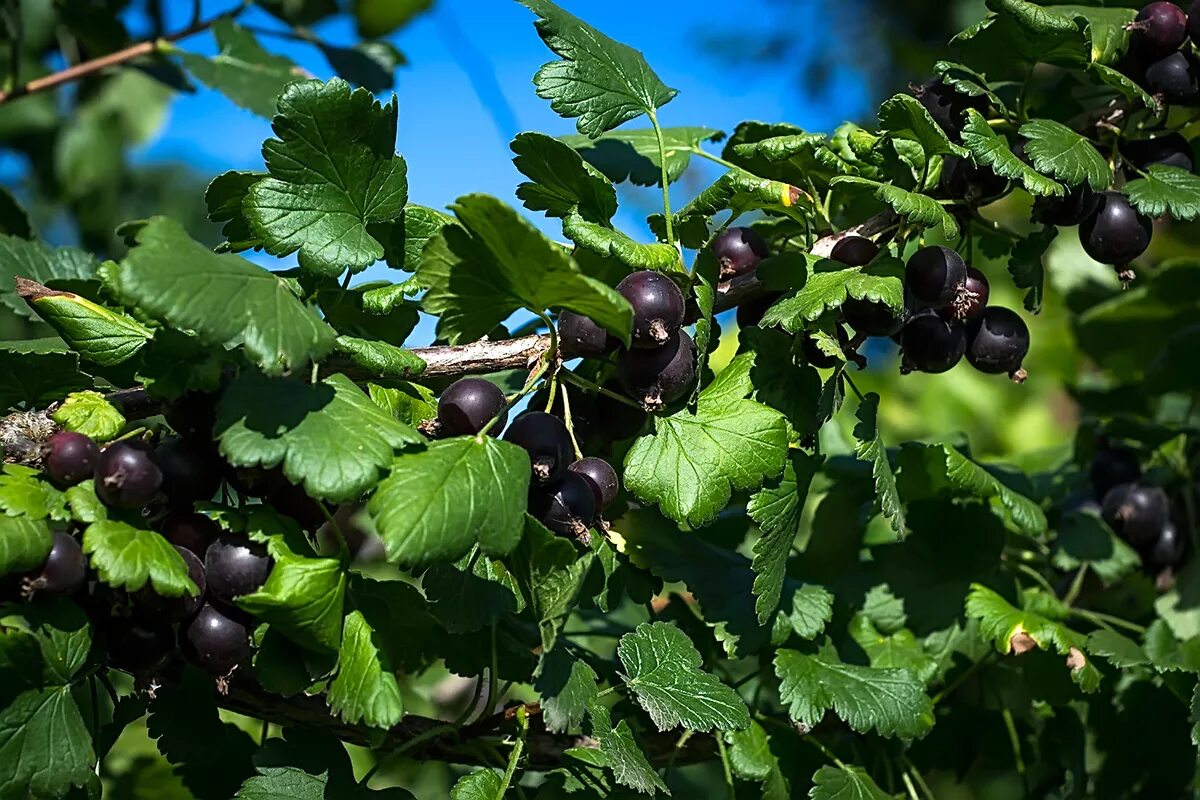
x=468 y=404
x=1112 y=466
x=126 y=475
x=947 y=106
x=567 y=506
x=751 y=312
x=932 y=344
x=234 y=566
x=580 y=337
x=150 y=605
x=1115 y=233
x=191 y=470
x=854 y=251
x=1136 y=513
x=194 y=532
x=936 y=276
x=193 y=415
x=617 y=421
x=962 y=179
x=739 y=251
x=997 y=342
x=1078 y=204
x=138 y=646
x=64 y=569
x=661 y=375
x=1171 y=150
x=658 y=307
x=974 y=298
x=546 y=438
x=1167 y=551
x=1158 y=29
x=601 y=477
x=214 y=642
x=1176 y=77
x=292 y=501
x=70 y=458
x=870 y=318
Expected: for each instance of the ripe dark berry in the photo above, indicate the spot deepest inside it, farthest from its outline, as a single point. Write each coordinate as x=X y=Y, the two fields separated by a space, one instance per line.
x=193 y=532
x=64 y=569
x=935 y=276
x=658 y=307
x=739 y=251
x=1112 y=466
x=601 y=477
x=546 y=438
x=659 y=376
x=931 y=343
x=616 y=421
x=997 y=342
x=191 y=470
x=947 y=106
x=1176 y=77
x=962 y=179
x=582 y=338
x=854 y=251
x=567 y=506
x=469 y=404
x=1136 y=513
x=870 y=318
x=1158 y=29
x=974 y=298
x=1171 y=150
x=70 y=458
x=193 y=415
x=750 y=313
x=214 y=642
x=234 y=566
x=1167 y=550
x=139 y=647
x=1078 y=204
x=126 y=475
x=292 y=501
x=150 y=605
x=1116 y=233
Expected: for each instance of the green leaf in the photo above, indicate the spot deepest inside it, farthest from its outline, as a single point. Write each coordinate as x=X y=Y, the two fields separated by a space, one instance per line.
x=37 y=261
x=918 y=209
x=381 y=17
x=1026 y=265
x=371 y=65
x=609 y=243
x=224 y=198
x=329 y=437
x=45 y=747
x=845 y=783
x=550 y=572
x=601 y=82
x=410 y=403
x=126 y=557
x=1061 y=152
x=24 y=544
x=466 y=600
x=1083 y=538
x=64 y=635
x=334 y=171
x=967 y=81
x=566 y=685
x=740 y=192
x=459 y=492
x=91 y=414
x=98 y=334
x=751 y=758
x=896 y=650
x=778 y=508
x=381 y=359
x=408 y=236
x=223 y=299
x=1166 y=190
x=561 y=181
x=35 y=378
x=24 y=492
x=904 y=116
x=622 y=754
x=825 y=285
x=302 y=598
x=242 y=71
x=1120 y=651
x=991 y=149
x=482 y=784
x=662 y=668
x=891 y=702
x=632 y=155
x=365 y=689
x=307 y=764
x=497 y=263
x=1125 y=85
x=1019 y=31
x=869 y=447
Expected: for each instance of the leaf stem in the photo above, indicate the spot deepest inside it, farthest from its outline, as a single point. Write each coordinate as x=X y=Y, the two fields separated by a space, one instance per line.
x=715 y=159
x=515 y=755
x=666 y=190
x=1037 y=576
x=584 y=383
x=493 y=678
x=1099 y=618
x=725 y=764
x=1014 y=740
x=462 y=718
x=417 y=740
x=825 y=751
x=570 y=423
x=908 y=785
x=683 y=739
x=1076 y=585
x=853 y=388
x=963 y=677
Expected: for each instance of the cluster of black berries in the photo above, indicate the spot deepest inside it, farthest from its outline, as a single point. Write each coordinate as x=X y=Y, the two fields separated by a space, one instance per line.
x=1139 y=513
x=565 y=495
x=1160 y=58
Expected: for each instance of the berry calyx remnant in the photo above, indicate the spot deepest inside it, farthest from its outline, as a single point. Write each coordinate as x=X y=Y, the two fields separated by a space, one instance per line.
x=546 y=438
x=658 y=307
x=1116 y=233
x=936 y=276
x=64 y=570
x=1158 y=29
x=974 y=298
x=659 y=376
x=127 y=476
x=214 y=641
x=739 y=251
x=997 y=343
x=567 y=506
x=1136 y=512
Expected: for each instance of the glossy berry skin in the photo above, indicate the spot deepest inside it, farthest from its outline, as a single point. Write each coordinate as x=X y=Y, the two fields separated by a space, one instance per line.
x=1136 y=513
x=191 y=471
x=947 y=106
x=139 y=646
x=932 y=344
x=126 y=475
x=567 y=506
x=1171 y=150
x=739 y=251
x=935 y=276
x=601 y=476
x=234 y=566
x=546 y=438
x=214 y=642
x=974 y=298
x=962 y=179
x=659 y=376
x=193 y=415
x=468 y=405
x=582 y=338
x=1079 y=204
x=1158 y=29
x=1112 y=466
x=997 y=342
x=854 y=251
x=870 y=318
x=658 y=307
x=150 y=605
x=750 y=313
x=1115 y=233
x=1176 y=77
x=64 y=570
x=70 y=458
x=1167 y=551
x=194 y=532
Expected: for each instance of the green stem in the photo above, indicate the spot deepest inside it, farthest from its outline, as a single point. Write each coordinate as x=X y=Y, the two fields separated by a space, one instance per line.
x=1098 y=618
x=963 y=677
x=916 y=773
x=585 y=384
x=550 y=358
x=683 y=739
x=515 y=755
x=466 y=712
x=1076 y=585
x=908 y=786
x=725 y=764
x=853 y=388
x=262 y=734
x=715 y=159
x=493 y=678
x=666 y=190
x=1037 y=576
x=1014 y=740
x=825 y=751
x=570 y=423
x=343 y=548
x=416 y=741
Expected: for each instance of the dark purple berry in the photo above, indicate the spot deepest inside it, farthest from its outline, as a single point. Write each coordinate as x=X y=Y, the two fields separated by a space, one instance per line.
x=854 y=251
x=661 y=375
x=1167 y=551
x=235 y=566
x=139 y=647
x=214 y=642
x=997 y=342
x=1078 y=204
x=601 y=477
x=1158 y=29
x=1112 y=466
x=973 y=301
x=191 y=470
x=292 y=501
x=193 y=415
x=1171 y=150
x=126 y=475
x=149 y=604
x=1136 y=513
x=64 y=569
x=546 y=438
x=193 y=532
x=935 y=276
x=580 y=337
x=739 y=251
x=751 y=312
x=947 y=105
x=1176 y=77
x=932 y=344
x=468 y=405
x=962 y=179
x=870 y=318
x=70 y=458
x=567 y=506
x=658 y=307
x=1116 y=233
